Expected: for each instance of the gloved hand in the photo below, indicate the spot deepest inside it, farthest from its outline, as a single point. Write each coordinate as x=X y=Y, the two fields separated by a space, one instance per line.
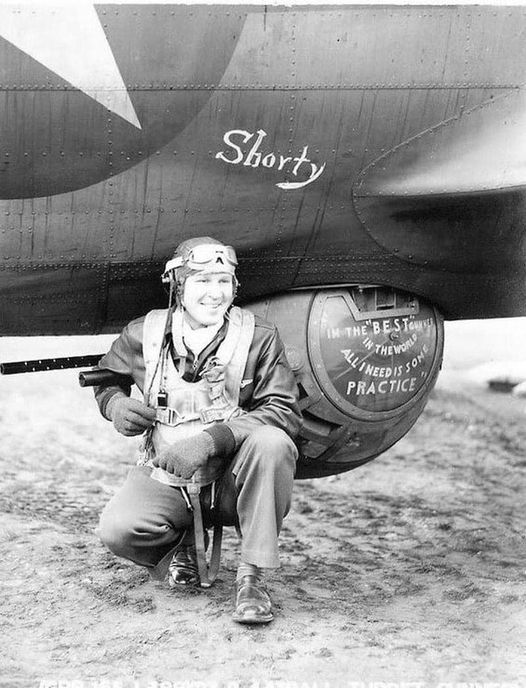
x=129 y=416
x=184 y=457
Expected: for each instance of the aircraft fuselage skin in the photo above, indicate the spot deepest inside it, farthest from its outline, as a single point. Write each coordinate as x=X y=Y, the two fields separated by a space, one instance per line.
x=328 y=144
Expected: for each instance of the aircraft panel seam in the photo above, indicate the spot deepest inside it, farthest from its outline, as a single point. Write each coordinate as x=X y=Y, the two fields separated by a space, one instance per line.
x=358 y=192
x=421 y=86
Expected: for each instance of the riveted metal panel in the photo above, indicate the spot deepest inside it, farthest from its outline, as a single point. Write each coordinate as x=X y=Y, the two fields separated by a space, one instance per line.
x=133 y=289
x=308 y=77
x=186 y=46
x=40 y=150
x=346 y=47
x=436 y=201
x=56 y=228
x=52 y=299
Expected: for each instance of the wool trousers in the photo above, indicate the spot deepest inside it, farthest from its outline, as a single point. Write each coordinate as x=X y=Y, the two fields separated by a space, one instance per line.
x=146 y=520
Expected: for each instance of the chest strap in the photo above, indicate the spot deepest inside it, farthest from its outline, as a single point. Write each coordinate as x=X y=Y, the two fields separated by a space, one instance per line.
x=231 y=357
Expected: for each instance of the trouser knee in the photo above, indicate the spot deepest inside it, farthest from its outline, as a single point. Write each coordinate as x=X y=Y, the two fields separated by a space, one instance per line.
x=271 y=449
x=115 y=534
x=142 y=542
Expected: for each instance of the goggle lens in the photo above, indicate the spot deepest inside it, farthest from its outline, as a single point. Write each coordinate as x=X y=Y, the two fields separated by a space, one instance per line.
x=210 y=253
x=200 y=256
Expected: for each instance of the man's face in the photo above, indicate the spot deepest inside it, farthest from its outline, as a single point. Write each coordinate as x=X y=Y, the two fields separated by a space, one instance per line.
x=206 y=297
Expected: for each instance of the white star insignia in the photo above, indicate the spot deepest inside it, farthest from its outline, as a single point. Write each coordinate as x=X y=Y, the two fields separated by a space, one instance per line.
x=69 y=40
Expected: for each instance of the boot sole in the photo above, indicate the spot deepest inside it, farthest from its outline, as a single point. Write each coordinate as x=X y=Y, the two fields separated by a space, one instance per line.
x=241 y=618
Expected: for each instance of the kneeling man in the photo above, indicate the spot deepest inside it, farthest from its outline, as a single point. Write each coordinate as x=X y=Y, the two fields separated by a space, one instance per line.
x=220 y=402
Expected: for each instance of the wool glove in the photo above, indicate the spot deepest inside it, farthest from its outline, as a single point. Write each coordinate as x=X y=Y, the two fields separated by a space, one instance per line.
x=129 y=416
x=184 y=457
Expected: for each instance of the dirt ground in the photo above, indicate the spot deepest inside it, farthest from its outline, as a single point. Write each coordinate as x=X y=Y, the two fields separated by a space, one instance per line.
x=410 y=569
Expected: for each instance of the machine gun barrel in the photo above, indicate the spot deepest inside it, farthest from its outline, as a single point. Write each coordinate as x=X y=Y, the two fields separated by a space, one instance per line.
x=93 y=378
x=41 y=364
x=87 y=378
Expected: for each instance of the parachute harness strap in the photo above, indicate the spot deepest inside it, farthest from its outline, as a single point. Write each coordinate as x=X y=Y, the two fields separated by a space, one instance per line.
x=147 y=444
x=207 y=572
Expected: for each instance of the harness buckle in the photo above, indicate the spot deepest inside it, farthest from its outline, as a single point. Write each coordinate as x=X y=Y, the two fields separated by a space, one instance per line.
x=193 y=488
x=213 y=414
x=169 y=416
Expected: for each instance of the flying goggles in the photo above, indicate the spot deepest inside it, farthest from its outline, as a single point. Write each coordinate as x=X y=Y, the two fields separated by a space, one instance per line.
x=203 y=258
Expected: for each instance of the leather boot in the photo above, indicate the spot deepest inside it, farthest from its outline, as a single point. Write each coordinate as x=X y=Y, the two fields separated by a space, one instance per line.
x=183 y=567
x=253 y=605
